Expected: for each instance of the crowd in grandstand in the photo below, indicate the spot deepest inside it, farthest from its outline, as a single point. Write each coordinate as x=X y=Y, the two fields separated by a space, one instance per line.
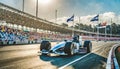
x=10 y=35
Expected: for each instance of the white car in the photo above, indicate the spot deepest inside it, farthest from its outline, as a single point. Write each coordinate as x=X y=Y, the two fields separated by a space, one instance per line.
x=67 y=47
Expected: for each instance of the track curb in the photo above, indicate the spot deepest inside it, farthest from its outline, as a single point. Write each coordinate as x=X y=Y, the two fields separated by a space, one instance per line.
x=112 y=61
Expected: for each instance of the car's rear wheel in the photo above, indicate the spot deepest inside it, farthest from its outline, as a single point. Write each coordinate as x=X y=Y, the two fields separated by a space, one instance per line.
x=88 y=45
x=8 y=43
x=14 y=42
x=69 y=48
x=45 y=46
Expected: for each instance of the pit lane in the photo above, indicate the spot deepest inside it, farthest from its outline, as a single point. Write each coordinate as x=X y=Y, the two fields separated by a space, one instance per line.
x=26 y=57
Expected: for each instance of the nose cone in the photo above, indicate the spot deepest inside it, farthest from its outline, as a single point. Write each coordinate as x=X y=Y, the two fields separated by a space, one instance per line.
x=51 y=51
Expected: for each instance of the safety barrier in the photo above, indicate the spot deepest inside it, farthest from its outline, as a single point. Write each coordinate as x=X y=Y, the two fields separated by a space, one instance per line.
x=112 y=62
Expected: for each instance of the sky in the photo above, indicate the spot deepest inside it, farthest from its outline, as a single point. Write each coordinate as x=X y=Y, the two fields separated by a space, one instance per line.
x=82 y=9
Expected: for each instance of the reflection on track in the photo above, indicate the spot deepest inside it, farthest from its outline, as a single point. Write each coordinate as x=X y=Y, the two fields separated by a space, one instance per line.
x=92 y=61
x=60 y=60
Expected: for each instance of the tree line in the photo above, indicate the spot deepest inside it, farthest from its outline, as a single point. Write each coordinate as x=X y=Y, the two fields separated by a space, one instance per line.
x=110 y=29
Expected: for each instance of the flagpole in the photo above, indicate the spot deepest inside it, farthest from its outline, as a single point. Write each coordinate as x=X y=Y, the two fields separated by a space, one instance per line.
x=111 y=28
x=36 y=8
x=23 y=4
x=105 y=33
x=79 y=23
x=98 y=31
x=96 y=18
x=55 y=15
x=73 y=29
x=72 y=19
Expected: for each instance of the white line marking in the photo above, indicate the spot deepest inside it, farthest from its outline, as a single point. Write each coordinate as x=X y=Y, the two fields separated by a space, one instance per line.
x=74 y=61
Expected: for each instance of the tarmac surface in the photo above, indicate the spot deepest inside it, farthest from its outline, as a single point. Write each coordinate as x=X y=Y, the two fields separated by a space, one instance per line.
x=27 y=57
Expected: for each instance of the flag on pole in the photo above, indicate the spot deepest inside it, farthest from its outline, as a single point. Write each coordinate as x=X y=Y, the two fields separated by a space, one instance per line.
x=70 y=19
x=96 y=18
x=102 y=25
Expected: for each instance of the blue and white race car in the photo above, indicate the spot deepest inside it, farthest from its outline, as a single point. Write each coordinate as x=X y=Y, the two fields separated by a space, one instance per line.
x=66 y=47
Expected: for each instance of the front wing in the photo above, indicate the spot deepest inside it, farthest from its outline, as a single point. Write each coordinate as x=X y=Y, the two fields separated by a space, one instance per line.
x=52 y=52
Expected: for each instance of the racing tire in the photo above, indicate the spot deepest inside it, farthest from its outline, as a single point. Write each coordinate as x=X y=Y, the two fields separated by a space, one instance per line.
x=8 y=43
x=14 y=43
x=69 y=48
x=88 y=44
x=45 y=45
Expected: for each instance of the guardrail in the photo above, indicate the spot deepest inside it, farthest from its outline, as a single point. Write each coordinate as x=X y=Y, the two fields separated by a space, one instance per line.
x=112 y=61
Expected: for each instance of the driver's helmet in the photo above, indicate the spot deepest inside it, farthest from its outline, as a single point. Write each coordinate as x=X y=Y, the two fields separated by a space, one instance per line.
x=76 y=37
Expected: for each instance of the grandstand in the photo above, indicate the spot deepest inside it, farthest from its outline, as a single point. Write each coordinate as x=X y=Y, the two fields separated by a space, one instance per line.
x=19 y=27
x=14 y=16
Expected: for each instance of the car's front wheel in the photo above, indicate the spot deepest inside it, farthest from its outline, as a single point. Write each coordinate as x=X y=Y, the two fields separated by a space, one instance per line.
x=69 y=48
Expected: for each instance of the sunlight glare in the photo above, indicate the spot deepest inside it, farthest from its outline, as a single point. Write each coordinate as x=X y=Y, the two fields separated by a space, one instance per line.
x=44 y=2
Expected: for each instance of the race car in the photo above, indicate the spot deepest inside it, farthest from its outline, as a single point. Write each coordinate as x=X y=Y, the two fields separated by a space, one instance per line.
x=66 y=47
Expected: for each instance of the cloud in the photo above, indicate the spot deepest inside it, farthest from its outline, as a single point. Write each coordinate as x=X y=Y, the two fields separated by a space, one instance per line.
x=105 y=17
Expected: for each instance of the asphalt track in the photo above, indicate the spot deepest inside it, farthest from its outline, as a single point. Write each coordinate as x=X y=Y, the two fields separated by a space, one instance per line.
x=27 y=57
